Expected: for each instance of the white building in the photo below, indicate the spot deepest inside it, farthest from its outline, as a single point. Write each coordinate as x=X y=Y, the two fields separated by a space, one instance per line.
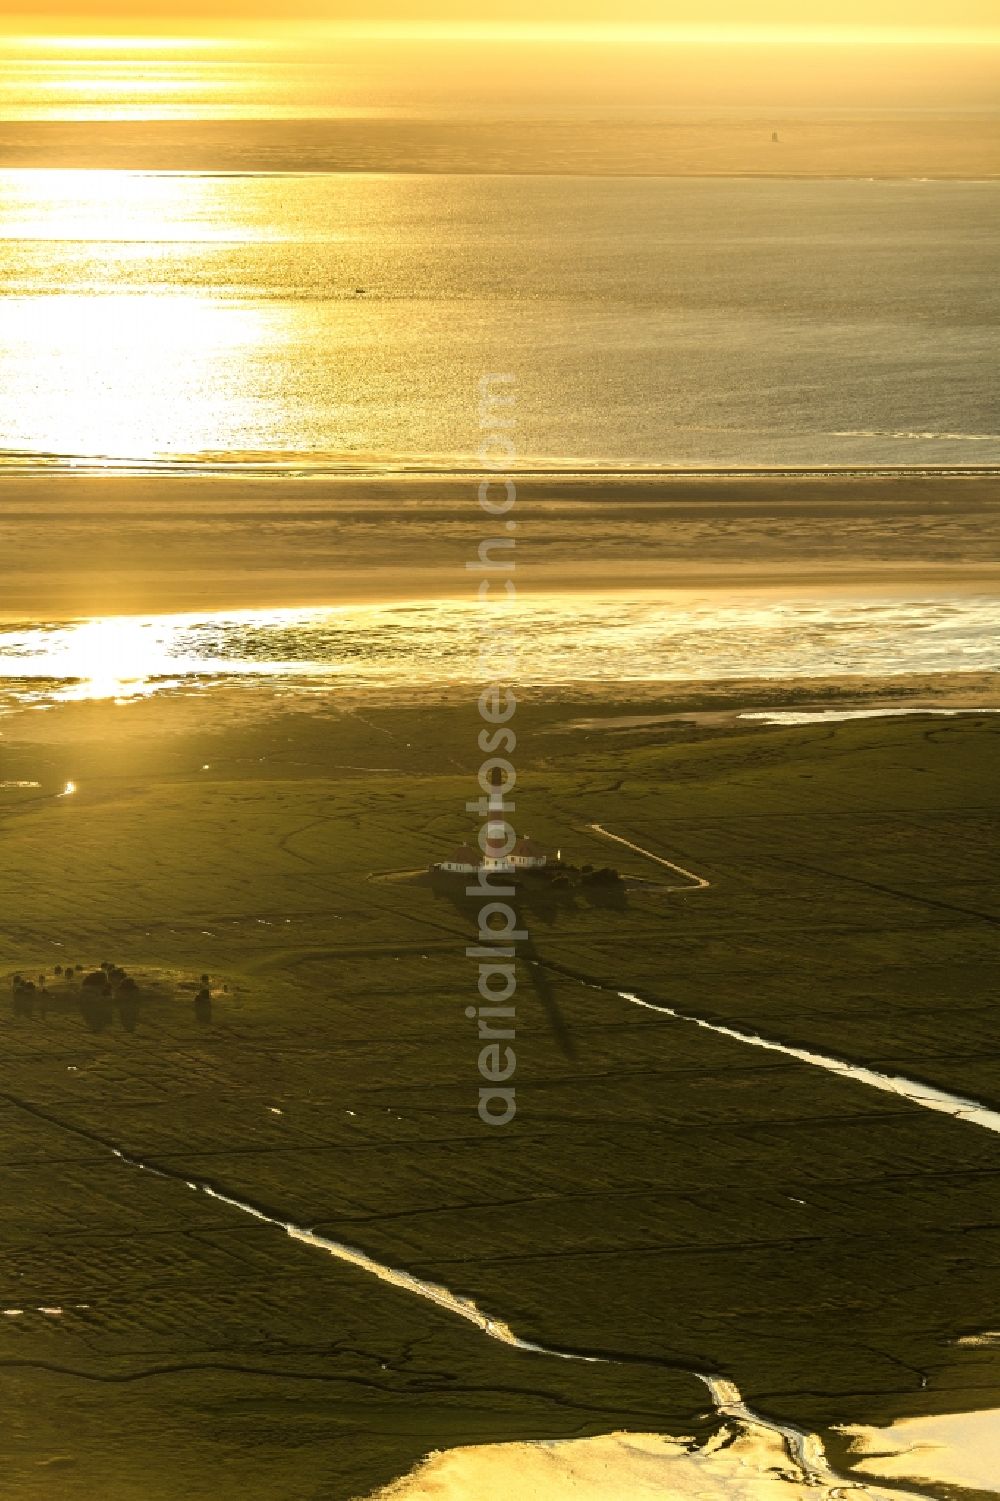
x=464 y=860
x=496 y=855
x=527 y=855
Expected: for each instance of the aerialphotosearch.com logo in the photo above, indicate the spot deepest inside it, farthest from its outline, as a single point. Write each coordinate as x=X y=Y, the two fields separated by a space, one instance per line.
x=495 y=951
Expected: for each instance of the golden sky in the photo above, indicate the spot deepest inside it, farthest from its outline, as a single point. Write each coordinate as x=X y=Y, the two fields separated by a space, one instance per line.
x=878 y=19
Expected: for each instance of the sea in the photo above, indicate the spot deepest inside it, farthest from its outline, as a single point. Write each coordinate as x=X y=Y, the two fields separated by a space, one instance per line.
x=264 y=317
x=344 y=320
x=225 y=316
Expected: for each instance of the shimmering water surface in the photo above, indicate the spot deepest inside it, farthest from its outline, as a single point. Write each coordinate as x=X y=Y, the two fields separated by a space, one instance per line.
x=316 y=320
x=345 y=319
x=555 y=639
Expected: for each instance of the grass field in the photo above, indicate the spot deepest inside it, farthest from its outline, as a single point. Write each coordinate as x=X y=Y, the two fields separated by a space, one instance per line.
x=664 y=1195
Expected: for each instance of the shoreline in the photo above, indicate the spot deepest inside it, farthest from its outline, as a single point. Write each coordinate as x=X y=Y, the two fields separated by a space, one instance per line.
x=985 y=178
x=620 y=714
x=277 y=593
x=62 y=467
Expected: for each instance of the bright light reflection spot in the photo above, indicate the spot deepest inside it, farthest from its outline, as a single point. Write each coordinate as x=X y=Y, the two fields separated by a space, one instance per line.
x=111 y=207
x=127 y=657
x=121 y=377
x=109 y=366
x=109 y=656
x=68 y=790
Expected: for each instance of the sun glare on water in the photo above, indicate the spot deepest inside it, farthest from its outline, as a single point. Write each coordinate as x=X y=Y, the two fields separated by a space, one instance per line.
x=112 y=658
x=136 y=377
x=124 y=658
x=110 y=367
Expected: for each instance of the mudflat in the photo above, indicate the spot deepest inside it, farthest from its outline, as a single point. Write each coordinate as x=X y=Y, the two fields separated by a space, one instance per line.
x=87 y=545
x=673 y=1199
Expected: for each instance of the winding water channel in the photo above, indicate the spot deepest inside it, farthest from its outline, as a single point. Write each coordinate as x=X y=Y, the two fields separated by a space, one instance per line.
x=805 y=1449
x=927 y=1095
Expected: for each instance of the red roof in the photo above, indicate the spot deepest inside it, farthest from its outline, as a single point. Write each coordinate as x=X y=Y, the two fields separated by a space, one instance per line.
x=527 y=849
x=464 y=855
x=495 y=843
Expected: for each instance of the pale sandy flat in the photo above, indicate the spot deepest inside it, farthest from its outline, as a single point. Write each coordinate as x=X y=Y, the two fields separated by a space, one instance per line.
x=613 y=1467
x=960 y=1448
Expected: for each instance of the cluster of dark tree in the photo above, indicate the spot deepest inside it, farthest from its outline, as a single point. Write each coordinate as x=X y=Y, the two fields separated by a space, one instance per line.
x=603 y=875
x=203 y=1000
x=109 y=979
x=27 y=993
x=18 y=982
x=98 y=992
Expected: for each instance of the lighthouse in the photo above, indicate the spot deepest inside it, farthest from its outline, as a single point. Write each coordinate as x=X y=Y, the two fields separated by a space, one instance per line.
x=494 y=852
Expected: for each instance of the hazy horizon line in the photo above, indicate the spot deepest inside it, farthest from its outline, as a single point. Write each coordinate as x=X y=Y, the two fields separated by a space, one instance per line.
x=24 y=34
